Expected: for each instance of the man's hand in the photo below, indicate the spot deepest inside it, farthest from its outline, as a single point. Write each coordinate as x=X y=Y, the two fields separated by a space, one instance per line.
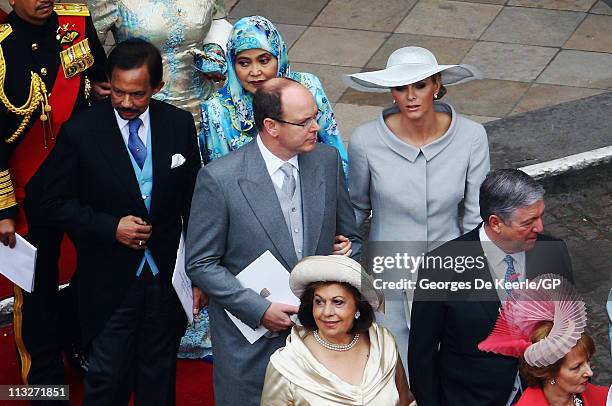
x=276 y=318
x=200 y=299
x=7 y=232
x=342 y=246
x=101 y=90
x=133 y=232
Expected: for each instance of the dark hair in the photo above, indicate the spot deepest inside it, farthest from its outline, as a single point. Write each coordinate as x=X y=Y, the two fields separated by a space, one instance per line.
x=132 y=54
x=536 y=376
x=505 y=190
x=360 y=325
x=442 y=91
x=267 y=100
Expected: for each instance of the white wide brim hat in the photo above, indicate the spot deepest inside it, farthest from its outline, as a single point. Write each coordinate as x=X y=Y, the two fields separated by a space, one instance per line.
x=406 y=66
x=335 y=268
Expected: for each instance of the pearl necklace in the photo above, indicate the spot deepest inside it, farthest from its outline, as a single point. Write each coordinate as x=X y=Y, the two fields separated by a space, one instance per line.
x=336 y=347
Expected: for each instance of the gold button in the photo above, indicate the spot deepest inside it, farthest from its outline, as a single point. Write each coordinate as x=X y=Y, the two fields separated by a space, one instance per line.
x=35 y=47
x=43 y=71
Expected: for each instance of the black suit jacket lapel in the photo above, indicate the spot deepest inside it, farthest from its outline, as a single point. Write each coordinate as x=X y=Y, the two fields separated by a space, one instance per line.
x=260 y=195
x=161 y=140
x=113 y=148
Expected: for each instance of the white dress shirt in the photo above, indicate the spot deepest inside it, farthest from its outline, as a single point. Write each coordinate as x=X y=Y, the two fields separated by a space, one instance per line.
x=143 y=131
x=274 y=163
x=497 y=267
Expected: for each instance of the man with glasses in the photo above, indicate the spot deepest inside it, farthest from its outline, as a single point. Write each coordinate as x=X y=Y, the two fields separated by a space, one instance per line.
x=283 y=193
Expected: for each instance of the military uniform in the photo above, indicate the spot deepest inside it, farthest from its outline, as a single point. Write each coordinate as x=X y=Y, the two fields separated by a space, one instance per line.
x=46 y=73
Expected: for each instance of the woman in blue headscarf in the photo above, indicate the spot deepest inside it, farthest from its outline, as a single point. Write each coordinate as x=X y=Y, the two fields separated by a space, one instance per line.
x=255 y=53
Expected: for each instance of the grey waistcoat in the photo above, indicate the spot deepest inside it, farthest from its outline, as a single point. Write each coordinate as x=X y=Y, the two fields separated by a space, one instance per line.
x=292 y=212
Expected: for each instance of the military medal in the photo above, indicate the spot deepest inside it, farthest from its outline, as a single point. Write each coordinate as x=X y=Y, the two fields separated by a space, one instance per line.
x=66 y=34
x=77 y=58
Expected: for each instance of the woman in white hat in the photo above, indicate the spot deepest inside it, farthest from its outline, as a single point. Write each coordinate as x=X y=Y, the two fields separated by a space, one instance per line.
x=418 y=165
x=338 y=355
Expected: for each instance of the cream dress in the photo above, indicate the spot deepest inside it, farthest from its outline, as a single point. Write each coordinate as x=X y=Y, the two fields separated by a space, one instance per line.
x=295 y=377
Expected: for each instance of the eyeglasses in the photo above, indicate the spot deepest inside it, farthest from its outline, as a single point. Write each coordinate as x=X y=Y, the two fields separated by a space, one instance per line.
x=306 y=125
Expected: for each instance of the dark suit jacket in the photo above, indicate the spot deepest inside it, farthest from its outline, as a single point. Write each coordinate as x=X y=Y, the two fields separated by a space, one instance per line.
x=457 y=372
x=88 y=184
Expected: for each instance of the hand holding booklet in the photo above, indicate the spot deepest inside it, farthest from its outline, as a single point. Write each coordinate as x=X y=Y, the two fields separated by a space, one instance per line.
x=270 y=279
x=18 y=263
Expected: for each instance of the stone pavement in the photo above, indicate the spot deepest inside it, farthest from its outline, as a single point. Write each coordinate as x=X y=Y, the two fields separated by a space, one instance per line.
x=532 y=53
x=578 y=210
x=551 y=132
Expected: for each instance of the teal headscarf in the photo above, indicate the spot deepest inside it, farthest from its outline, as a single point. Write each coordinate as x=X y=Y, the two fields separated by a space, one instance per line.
x=227 y=118
x=253 y=32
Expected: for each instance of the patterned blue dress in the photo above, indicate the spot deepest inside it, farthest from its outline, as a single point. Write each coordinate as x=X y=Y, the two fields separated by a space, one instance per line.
x=178 y=28
x=227 y=117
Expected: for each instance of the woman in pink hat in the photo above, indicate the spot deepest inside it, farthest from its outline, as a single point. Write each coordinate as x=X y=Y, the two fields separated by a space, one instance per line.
x=564 y=382
x=418 y=167
x=544 y=329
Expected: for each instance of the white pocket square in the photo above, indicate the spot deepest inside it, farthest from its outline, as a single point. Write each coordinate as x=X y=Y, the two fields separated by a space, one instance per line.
x=177 y=160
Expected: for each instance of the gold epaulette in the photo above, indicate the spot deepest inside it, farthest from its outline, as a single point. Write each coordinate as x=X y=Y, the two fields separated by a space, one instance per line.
x=37 y=99
x=5 y=31
x=7 y=195
x=71 y=9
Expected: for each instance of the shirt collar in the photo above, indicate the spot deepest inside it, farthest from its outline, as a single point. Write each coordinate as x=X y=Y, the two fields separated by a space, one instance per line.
x=494 y=254
x=123 y=123
x=273 y=163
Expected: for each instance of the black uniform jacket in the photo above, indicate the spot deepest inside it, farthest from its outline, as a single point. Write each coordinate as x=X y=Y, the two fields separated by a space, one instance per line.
x=35 y=48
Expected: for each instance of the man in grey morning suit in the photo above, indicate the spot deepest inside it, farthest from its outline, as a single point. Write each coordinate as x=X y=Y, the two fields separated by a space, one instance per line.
x=282 y=192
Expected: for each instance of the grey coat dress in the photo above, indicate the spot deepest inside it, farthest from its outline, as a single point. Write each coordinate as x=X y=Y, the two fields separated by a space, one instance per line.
x=416 y=194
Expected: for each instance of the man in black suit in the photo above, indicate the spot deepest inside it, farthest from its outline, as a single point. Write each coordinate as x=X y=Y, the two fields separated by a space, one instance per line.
x=120 y=182
x=446 y=367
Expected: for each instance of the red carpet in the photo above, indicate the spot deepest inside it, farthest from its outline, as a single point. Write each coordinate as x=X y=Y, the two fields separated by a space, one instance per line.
x=193 y=377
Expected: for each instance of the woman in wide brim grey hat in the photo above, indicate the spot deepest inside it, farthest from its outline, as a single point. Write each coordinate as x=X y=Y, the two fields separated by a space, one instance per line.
x=418 y=165
x=337 y=355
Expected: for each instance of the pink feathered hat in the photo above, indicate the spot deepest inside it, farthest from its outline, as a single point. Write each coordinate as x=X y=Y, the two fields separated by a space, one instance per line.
x=522 y=312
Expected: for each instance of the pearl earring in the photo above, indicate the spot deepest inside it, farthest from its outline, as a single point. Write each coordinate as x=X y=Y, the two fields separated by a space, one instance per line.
x=394 y=101
x=552 y=381
x=435 y=96
x=357 y=314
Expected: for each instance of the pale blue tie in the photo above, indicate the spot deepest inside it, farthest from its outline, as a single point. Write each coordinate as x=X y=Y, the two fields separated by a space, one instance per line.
x=135 y=145
x=511 y=274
